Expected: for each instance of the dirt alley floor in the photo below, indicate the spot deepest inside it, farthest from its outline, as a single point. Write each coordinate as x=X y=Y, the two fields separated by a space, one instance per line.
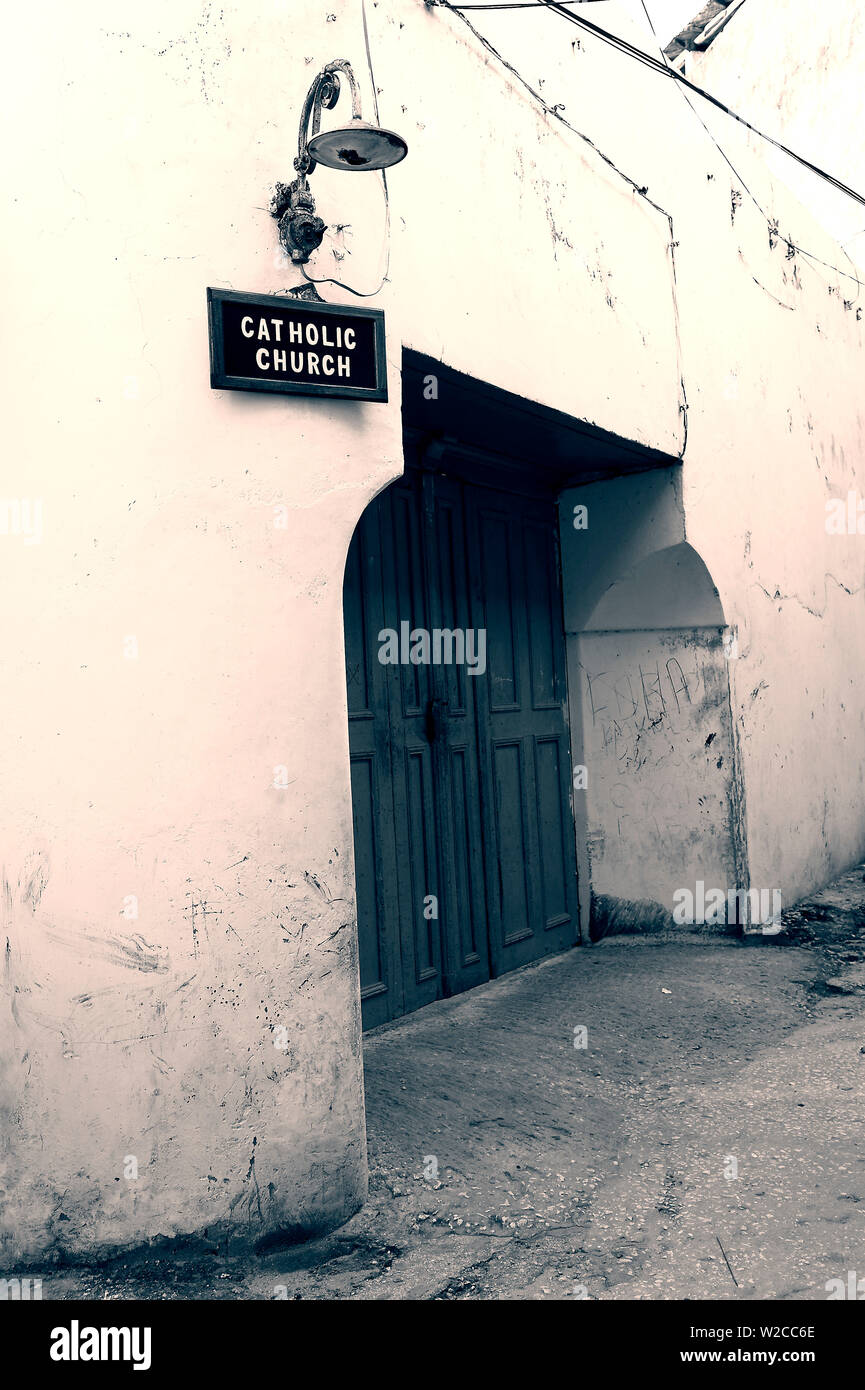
x=506 y=1163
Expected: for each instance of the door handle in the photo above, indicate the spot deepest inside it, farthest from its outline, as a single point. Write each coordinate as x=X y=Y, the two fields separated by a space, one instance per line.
x=432 y=719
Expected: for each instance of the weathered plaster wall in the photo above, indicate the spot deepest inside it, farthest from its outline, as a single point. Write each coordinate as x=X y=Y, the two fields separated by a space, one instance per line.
x=771 y=331
x=519 y=242
x=650 y=704
x=798 y=590
x=170 y=644
x=768 y=455
x=795 y=71
x=657 y=741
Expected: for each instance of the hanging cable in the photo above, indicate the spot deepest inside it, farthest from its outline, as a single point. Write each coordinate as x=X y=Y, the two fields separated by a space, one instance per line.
x=640 y=190
x=329 y=279
x=662 y=66
x=667 y=71
x=770 y=222
x=513 y=4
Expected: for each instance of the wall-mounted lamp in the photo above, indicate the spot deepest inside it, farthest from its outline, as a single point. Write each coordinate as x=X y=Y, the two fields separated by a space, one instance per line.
x=356 y=146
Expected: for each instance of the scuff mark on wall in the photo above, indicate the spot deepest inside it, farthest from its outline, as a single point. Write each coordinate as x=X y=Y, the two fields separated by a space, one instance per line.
x=132 y=952
x=612 y=916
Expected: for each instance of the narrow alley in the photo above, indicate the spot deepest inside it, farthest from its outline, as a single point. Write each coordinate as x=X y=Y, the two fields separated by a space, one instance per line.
x=508 y=1163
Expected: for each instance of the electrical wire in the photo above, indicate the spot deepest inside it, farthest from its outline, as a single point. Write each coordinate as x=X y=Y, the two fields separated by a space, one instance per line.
x=513 y=4
x=666 y=70
x=770 y=222
x=555 y=110
x=662 y=66
x=329 y=279
x=640 y=190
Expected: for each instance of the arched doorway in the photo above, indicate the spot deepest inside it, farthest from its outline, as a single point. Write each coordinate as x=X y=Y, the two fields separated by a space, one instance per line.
x=460 y=748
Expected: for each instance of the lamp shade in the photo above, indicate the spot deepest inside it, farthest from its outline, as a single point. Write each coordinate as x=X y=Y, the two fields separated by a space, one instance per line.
x=357 y=146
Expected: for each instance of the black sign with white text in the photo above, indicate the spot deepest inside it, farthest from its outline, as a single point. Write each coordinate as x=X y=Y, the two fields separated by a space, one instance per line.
x=293 y=347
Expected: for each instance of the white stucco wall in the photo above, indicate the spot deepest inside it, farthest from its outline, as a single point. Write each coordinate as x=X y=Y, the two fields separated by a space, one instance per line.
x=148 y=142
x=145 y=145
x=795 y=71
x=771 y=346
x=658 y=749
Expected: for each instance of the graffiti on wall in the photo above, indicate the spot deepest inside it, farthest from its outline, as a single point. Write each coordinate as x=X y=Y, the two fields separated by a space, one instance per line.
x=626 y=703
x=657 y=744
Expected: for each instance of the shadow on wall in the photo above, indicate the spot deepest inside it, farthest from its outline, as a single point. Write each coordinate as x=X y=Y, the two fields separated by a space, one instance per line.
x=661 y=800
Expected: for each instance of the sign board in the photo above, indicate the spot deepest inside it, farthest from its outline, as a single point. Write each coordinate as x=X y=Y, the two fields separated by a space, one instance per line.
x=271 y=342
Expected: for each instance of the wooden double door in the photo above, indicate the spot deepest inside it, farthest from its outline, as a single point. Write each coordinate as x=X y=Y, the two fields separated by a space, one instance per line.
x=460 y=770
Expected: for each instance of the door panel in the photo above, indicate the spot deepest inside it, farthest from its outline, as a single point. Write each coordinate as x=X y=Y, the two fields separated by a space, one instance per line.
x=464 y=838
x=533 y=899
x=456 y=750
x=410 y=687
x=511 y=845
x=554 y=863
x=375 y=851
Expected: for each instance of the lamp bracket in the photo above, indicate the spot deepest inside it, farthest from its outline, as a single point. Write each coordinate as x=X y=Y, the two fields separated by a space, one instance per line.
x=300 y=230
x=324 y=92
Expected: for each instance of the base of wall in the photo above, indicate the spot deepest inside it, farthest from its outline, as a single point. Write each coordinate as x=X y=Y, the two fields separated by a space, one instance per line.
x=612 y=916
x=24 y=1251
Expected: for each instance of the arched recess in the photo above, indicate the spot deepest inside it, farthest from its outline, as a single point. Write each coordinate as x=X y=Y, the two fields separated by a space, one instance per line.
x=670 y=588
x=662 y=806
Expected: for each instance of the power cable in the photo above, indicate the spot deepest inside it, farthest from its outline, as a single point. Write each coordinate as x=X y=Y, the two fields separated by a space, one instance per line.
x=640 y=190
x=663 y=67
x=329 y=279
x=667 y=71
x=657 y=65
x=512 y=4
x=770 y=222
